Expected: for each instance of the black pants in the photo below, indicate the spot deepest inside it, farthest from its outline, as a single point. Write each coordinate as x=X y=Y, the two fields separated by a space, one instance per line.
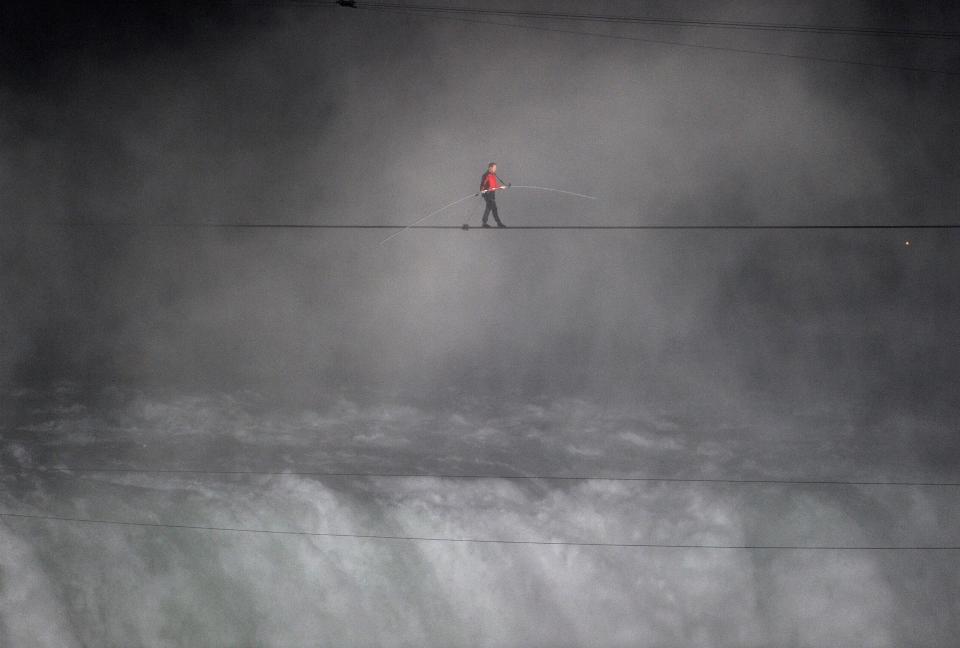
x=491 y=199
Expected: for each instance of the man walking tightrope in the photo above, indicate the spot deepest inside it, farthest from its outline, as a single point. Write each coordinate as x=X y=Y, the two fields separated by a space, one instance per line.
x=490 y=183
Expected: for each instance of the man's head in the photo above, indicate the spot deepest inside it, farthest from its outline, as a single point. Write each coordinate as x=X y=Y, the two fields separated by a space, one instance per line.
x=492 y=167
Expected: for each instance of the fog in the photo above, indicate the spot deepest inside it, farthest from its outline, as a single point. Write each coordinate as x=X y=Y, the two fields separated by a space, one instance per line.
x=792 y=354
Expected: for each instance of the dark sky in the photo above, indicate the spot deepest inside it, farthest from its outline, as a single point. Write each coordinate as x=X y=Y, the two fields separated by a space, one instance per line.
x=825 y=354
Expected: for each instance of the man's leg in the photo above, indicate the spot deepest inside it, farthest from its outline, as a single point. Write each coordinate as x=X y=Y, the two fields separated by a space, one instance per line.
x=491 y=206
x=496 y=214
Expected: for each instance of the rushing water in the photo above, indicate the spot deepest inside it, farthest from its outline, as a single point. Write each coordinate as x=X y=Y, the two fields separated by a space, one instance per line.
x=72 y=583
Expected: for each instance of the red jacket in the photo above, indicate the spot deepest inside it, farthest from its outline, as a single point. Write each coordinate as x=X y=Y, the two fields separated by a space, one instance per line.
x=490 y=182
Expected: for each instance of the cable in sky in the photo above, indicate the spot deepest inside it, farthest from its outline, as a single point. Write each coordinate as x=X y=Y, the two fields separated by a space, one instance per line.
x=412 y=538
x=584 y=228
x=380 y=475
x=667 y=22
x=657 y=41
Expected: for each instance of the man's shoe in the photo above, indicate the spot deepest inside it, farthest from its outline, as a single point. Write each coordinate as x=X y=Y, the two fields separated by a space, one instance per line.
x=500 y=225
x=485 y=225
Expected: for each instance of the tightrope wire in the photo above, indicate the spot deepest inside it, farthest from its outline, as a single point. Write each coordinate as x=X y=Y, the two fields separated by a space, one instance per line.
x=386 y=475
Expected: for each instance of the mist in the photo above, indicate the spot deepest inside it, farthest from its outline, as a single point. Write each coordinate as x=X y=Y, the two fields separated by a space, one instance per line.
x=131 y=342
